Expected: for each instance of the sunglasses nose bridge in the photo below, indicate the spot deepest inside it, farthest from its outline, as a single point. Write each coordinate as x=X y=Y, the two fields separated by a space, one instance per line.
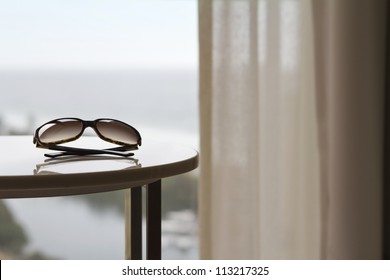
x=92 y=124
x=89 y=124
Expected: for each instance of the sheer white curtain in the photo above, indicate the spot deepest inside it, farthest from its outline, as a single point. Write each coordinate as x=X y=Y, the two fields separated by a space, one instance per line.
x=263 y=186
x=269 y=166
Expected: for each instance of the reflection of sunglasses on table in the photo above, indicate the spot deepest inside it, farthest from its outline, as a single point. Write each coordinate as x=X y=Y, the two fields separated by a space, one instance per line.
x=63 y=130
x=54 y=165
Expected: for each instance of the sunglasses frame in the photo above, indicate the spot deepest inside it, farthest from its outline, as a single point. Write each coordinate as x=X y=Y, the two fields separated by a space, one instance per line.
x=80 y=151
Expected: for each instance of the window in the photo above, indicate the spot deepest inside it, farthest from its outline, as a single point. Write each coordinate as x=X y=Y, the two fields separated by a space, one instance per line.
x=131 y=60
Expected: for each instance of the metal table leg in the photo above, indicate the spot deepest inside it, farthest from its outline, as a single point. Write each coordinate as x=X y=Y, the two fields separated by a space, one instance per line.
x=153 y=221
x=133 y=227
x=133 y=208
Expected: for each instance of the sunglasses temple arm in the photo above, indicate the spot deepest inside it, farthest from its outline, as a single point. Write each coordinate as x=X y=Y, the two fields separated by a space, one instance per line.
x=78 y=151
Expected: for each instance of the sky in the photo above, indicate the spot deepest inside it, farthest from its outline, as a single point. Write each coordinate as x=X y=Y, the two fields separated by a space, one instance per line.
x=98 y=33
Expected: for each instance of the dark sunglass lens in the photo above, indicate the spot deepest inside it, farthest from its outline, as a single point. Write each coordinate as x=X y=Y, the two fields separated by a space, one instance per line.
x=60 y=131
x=117 y=132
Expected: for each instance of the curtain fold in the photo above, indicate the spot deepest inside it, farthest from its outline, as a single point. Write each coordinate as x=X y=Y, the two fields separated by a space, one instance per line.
x=386 y=168
x=291 y=113
x=350 y=70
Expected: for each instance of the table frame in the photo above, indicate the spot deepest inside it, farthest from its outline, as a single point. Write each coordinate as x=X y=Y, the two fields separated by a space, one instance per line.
x=134 y=231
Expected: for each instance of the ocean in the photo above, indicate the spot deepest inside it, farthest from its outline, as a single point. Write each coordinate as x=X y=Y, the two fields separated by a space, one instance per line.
x=161 y=104
x=165 y=101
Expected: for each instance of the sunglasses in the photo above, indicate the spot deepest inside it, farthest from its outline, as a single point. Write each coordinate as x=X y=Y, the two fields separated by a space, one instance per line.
x=64 y=130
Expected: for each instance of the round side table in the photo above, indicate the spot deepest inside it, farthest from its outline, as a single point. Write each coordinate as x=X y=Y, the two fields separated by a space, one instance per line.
x=26 y=173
